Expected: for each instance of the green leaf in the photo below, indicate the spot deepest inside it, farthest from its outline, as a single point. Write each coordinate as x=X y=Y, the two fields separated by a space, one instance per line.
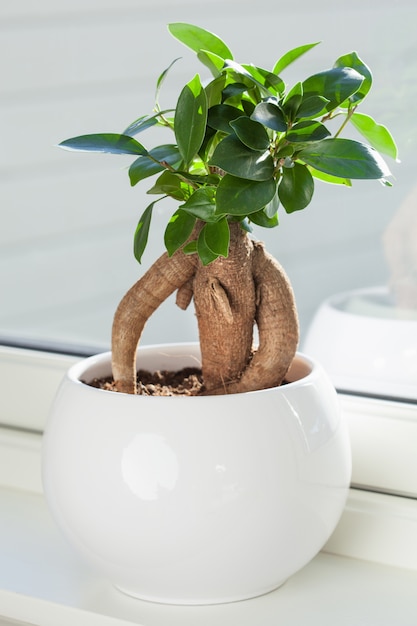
x=143 y=168
x=206 y=255
x=345 y=158
x=190 y=119
x=285 y=150
x=234 y=90
x=220 y=116
x=270 y=115
x=307 y=131
x=162 y=77
x=272 y=207
x=378 y=135
x=142 y=231
x=236 y=196
x=232 y=156
x=336 y=84
x=265 y=77
x=146 y=166
x=190 y=248
x=178 y=230
x=206 y=147
x=292 y=101
x=240 y=70
x=202 y=204
x=217 y=237
x=296 y=188
x=214 y=91
x=352 y=60
x=311 y=106
x=291 y=56
x=171 y=185
x=144 y=122
x=327 y=178
x=251 y=133
x=211 y=60
x=248 y=107
x=104 y=142
x=260 y=218
x=198 y=39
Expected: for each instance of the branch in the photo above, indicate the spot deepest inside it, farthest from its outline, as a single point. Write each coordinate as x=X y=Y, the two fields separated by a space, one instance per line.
x=165 y=276
x=277 y=323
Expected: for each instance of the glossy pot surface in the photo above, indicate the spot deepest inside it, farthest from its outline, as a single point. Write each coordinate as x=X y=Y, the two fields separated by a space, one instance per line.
x=196 y=500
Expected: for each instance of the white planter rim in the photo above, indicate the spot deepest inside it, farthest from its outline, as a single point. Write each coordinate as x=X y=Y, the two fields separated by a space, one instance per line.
x=303 y=368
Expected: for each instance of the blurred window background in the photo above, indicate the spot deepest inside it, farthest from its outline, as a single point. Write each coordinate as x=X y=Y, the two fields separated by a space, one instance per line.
x=67 y=220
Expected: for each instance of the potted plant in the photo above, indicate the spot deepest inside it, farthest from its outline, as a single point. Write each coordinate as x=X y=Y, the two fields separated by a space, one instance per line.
x=224 y=494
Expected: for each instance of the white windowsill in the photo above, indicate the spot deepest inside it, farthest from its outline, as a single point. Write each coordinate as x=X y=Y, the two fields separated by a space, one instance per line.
x=43 y=582
x=367 y=573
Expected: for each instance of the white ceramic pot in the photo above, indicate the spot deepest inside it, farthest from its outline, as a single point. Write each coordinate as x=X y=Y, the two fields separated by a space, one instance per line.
x=366 y=344
x=196 y=500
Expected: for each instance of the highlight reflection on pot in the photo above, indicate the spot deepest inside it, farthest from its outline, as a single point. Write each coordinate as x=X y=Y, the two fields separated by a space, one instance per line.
x=149 y=465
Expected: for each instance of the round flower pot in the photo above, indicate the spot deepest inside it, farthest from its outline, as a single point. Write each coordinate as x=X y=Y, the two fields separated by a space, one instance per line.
x=366 y=344
x=196 y=500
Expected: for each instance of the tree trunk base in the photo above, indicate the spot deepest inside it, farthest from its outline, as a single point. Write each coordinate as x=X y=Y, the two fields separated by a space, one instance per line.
x=230 y=296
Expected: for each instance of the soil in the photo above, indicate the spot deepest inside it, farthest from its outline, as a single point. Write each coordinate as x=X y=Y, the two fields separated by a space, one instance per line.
x=186 y=382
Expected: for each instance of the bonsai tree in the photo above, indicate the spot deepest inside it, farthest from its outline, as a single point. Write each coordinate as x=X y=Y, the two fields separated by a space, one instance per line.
x=243 y=146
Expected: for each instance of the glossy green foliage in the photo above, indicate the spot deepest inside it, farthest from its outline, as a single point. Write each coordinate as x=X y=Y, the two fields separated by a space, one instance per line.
x=296 y=188
x=198 y=38
x=179 y=229
x=377 y=134
x=235 y=157
x=336 y=85
x=105 y=142
x=242 y=196
x=345 y=157
x=245 y=143
x=190 y=119
x=142 y=232
x=291 y=56
x=154 y=161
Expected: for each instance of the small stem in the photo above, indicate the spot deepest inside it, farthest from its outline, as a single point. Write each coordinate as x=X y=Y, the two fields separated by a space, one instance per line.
x=162 y=118
x=349 y=114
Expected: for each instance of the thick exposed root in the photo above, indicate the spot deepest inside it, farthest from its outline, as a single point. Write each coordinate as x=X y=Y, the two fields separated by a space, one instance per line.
x=224 y=299
x=230 y=295
x=184 y=295
x=165 y=276
x=277 y=322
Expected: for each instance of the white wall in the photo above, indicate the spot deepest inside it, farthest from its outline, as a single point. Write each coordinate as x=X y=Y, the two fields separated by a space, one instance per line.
x=67 y=220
